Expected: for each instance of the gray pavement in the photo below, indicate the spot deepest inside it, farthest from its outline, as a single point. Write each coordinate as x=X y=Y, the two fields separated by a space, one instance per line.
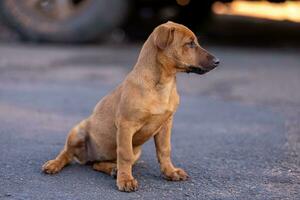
x=236 y=131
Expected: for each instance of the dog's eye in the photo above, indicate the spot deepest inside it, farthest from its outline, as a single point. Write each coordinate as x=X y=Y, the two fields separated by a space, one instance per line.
x=191 y=44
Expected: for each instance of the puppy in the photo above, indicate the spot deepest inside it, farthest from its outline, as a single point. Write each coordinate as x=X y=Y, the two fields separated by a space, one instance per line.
x=140 y=108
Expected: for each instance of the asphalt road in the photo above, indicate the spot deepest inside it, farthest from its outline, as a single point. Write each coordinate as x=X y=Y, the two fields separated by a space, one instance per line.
x=236 y=131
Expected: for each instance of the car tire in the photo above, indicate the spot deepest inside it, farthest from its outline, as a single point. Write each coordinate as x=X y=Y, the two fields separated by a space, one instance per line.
x=94 y=20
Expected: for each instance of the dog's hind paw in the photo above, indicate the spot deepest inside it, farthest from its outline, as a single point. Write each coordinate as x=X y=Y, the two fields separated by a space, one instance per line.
x=51 y=167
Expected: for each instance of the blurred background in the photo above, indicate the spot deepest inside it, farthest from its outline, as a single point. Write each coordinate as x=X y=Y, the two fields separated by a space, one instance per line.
x=237 y=130
x=78 y=21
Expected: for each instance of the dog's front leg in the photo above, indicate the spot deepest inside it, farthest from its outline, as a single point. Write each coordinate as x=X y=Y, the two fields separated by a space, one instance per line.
x=163 y=151
x=125 y=157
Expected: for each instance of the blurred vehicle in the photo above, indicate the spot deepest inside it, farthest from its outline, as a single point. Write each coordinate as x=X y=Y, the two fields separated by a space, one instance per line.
x=86 y=20
x=63 y=20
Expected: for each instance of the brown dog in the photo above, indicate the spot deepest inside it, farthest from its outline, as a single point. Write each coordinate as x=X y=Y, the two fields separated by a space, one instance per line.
x=140 y=108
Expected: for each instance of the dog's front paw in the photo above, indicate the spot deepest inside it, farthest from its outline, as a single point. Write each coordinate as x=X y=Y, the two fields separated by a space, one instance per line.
x=177 y=174
x=51 y=167
x=127 y=185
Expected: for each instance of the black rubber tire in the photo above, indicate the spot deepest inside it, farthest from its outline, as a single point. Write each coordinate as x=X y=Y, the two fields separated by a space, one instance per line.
x=97 y=19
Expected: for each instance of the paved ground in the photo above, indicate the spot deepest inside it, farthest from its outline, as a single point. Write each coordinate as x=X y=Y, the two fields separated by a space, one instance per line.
x=236 y=132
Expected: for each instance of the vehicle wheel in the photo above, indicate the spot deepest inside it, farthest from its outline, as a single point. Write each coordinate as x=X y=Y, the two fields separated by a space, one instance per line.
x=63 y=20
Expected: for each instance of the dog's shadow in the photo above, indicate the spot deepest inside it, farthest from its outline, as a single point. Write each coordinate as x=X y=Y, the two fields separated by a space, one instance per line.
x=147 y=174
x=84 y=174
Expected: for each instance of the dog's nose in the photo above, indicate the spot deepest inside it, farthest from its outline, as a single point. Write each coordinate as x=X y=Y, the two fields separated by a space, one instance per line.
x=216 y=62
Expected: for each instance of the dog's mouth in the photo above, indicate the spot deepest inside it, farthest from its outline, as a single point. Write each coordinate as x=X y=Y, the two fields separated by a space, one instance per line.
x=196 y=70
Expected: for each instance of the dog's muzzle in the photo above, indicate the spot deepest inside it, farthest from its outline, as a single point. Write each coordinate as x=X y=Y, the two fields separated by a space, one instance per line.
x=196 y=70
x=202 y=70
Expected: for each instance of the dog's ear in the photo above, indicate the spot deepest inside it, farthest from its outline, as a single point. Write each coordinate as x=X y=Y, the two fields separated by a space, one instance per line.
x=163 y=36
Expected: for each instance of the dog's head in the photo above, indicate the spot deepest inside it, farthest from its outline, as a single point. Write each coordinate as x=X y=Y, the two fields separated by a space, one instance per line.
x=178 y=46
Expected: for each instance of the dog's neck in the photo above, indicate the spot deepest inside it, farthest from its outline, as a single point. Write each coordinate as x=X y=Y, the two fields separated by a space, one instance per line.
x=152 y=68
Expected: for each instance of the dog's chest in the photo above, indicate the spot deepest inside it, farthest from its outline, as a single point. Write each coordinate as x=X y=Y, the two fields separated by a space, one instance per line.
x=165 y=101
x=151 y=127
x=160 y=111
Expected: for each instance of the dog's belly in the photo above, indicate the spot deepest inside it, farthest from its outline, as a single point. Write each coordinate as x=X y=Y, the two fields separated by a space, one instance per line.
x=102 y=147
x=151 y=127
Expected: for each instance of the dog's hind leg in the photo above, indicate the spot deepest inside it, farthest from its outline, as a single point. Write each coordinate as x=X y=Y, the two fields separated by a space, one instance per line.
x=110 y=168
x=106 y=167
x=75 y=147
